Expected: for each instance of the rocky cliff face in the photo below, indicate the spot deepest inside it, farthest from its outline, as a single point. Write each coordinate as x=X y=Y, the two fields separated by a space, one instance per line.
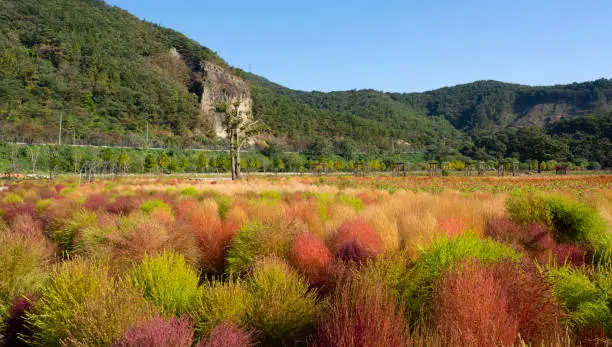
x=219 y=85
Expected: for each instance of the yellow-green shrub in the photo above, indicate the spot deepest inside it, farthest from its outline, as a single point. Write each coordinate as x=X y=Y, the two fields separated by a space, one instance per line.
x=282 y=309
x=21 y=267
x=166 y=280
x=220 y=302
x=82 y=304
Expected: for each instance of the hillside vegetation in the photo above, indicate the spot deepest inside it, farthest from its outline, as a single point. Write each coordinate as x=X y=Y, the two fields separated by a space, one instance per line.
x=113 y=79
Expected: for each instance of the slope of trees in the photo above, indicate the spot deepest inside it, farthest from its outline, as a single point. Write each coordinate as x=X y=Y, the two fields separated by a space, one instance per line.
x=109 y=73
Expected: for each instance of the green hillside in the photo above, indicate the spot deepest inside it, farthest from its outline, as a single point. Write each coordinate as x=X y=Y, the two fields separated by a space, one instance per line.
x=106 y=71
x=491 y=104
x=114 y=80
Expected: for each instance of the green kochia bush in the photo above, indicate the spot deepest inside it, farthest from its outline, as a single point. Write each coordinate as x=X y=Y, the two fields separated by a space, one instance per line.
x=567 y=219
x=220 y=302
x=12 y=198
x=587 y=294
x=66 y=232
x=257 y=239
x=21 y=268
x=168 y=282
x=82 y=304
x=282 y=308
x=414 y=284
x=352 y=201
x=189 y=191
x=149 y=206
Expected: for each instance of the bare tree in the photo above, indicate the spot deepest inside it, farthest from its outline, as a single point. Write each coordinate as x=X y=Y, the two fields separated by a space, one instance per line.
x=240 y=129
x=54 y=159
x=33 y=154
x=77 y=158
x=13 y=166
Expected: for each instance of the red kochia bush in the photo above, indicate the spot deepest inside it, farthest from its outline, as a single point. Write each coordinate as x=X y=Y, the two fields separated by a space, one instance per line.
x=536 y=240
x=471 y=308
x=59 y=187
x=361 y=316
x=96 y=202
x=27 y=226
x=592 y=336
x=310 y=255
x=214 y=237
x=159 y=332
x=228 y=335
x=123 y=205
x=355 y=241
x=15 y=325
x=530 y=300
x=12 y=210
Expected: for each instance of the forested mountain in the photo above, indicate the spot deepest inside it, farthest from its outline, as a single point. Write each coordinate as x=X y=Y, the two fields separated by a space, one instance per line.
x=491 y=104
x=107 y=72
x=114 y=79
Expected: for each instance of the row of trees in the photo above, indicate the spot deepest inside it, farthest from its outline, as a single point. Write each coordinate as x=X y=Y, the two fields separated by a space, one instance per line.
x=40 y=159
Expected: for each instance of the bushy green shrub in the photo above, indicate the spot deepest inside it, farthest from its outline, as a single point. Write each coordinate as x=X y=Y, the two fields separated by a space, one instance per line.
x=271 y=195
x=224 y=202
x=573 y=221
x=256 y=239
x=167 y=281
x=21 y=268
x=189 y=191
x=220 y=302
x=82 y=304
x=12 y=198
x=41 y=205
x=352 y=201
x=587 y=294
x=389 y=269
x=282 y=309
x=568 y=220
x=151 y=205
x=66 y=231
x=528 y=208
x=416 y=287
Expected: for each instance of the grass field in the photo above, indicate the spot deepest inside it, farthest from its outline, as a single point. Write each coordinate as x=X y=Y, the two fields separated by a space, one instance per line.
x=304 y=260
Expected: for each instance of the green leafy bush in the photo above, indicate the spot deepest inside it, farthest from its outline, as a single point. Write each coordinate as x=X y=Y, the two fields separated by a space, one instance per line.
x=282 y=308
x=416 y=286
x=220 y=302
x=256 y=239
x=528 y=208
x=151 y=205
x=41 y=205
x=12 y=198
x=66 y=231
x=389 y=269
x=587 y=294
x=189 y=191
x=168 y=282
x=572 y=221
x=568 y=220
x=352 y=201
x=224 y=202
x=271 y=195
x=21 y=268
x=82 y=304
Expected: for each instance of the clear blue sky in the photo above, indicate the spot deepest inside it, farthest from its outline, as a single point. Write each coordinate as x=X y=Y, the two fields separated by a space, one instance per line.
x=398 y=45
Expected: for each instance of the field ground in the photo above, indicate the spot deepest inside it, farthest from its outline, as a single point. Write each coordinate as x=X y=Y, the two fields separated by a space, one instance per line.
x=305 y=260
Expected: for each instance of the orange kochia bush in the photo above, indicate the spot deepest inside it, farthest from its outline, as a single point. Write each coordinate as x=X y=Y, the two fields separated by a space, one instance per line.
x=355 y=241
x=310 y=255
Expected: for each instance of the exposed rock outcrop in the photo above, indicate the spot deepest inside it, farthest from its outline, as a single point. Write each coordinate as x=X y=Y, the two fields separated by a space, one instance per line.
x=218 y=86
